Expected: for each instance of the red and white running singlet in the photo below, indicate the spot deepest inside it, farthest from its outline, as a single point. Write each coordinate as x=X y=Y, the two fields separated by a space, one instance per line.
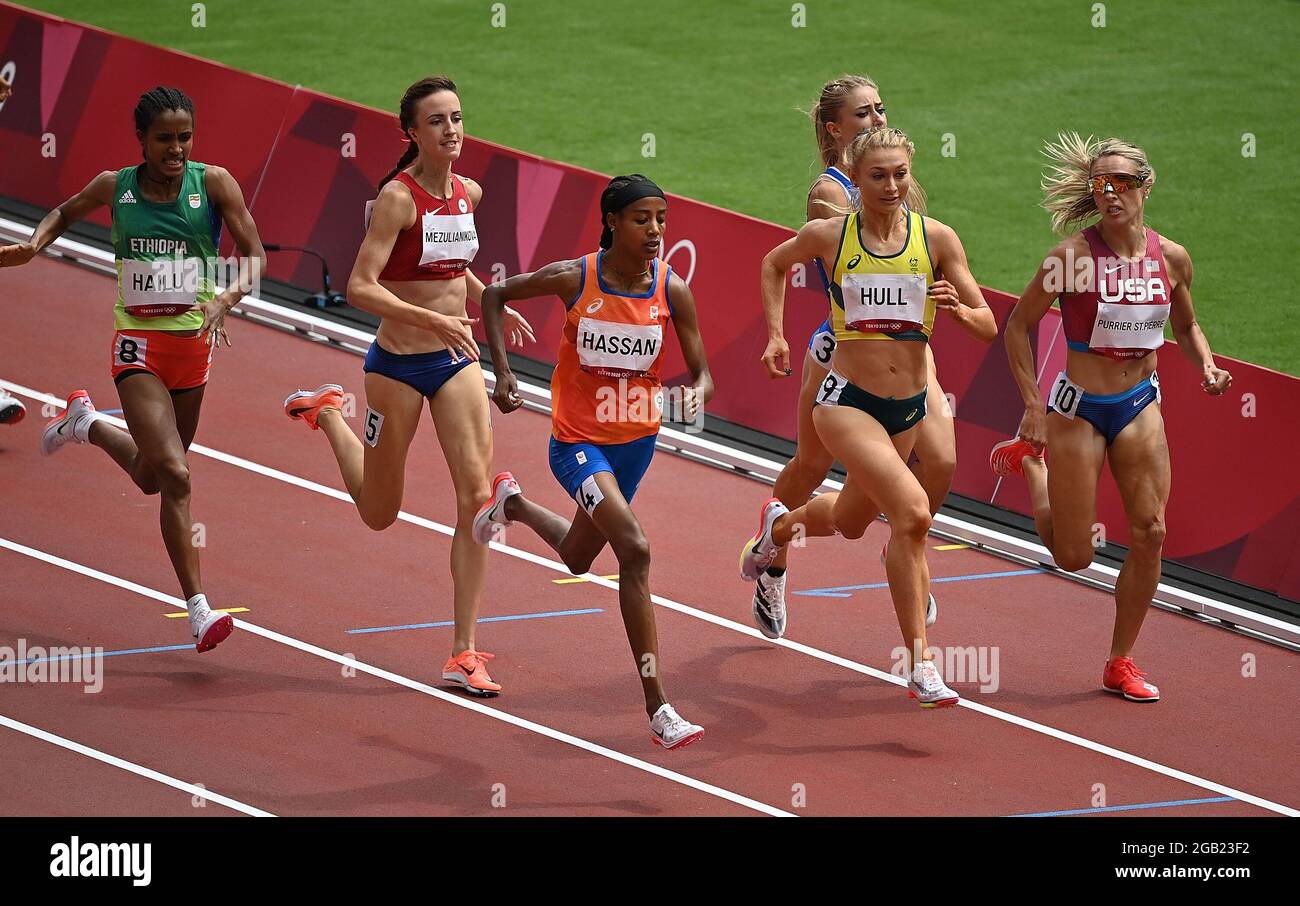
x=441 y=243
x=1123 y=313
x=606 y=388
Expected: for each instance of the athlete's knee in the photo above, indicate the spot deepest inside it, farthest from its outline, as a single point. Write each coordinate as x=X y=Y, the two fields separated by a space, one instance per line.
x=911 y=521
x=1147 y=535
x=811 y=469
x=1074 y=557
x=378 y=518
x=633 y=552
x=143 y=476
x=849 y=521
x=577 y=564
x=937 y=468
x=471 y=499
x=172 y=477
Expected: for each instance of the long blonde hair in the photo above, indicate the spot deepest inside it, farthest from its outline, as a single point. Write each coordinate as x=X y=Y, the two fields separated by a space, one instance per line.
x=879 y=139
x=832 y=97
x=1067 y=192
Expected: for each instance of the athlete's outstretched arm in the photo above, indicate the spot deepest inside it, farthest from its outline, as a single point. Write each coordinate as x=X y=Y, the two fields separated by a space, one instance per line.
x=98 y=192
x=562 y=278
x=687 y=325
x=393 y=212
x=1182 y=320
x=956 y=292
x=1030 y=309
x=816 y=239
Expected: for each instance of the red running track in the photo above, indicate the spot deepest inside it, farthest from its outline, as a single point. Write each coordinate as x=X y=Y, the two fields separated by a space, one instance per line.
x=805 y=728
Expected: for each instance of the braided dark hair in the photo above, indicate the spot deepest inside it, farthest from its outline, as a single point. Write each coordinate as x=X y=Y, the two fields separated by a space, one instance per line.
x=406 y=114
x=154 y=102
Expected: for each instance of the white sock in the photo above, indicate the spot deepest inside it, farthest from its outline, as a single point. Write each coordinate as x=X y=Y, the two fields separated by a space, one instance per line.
x=194 y=603
x=81 y=427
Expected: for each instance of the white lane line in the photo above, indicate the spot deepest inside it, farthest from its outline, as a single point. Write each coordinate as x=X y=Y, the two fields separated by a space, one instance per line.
x=132 y=767
x=397 y=679
x=707 y=617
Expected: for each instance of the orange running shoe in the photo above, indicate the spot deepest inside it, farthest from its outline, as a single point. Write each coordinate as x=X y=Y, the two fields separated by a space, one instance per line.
x=1122 y=677
x=1008 y=457
x=307 y=404
x=469 y=670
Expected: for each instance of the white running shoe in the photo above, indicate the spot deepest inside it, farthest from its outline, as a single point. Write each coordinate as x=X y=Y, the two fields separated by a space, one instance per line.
x=759 y=551
x=72 y=426
x=493 y=512
x=927 y=687
x=931 y=606
x=769 y=605
x=671 y=731
x=12 y=409
x=209 y=627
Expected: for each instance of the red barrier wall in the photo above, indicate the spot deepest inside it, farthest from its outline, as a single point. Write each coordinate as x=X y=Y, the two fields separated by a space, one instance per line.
x=308 y=163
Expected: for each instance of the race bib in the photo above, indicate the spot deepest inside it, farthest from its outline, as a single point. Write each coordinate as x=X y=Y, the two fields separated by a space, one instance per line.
x=1139 y=328
x=888 y=303
x=1065 y=396
x=159 y=288
x=823 y=347
x=829 y=392
x=447 y=239
x=1155 y=382
x=615 y=349
x=130 y=351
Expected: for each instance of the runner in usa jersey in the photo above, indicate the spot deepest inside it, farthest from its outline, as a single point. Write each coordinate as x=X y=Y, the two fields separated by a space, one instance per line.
x=169 y=319
x=1120 y=284
x=607 y=402
x=412 y=270
x=891 y=270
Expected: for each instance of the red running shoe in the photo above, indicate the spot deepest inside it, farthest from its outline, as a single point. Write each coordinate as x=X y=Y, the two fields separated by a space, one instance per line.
x=307 y=404
x=1008 y=457
x=1122 y=677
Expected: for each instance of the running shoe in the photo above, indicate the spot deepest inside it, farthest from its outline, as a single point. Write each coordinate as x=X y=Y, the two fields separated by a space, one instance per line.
x=927 y=687
x=1122 y=677
x=759 y=551
x=493 y=512
x=1007 y=458
x=671 y=731
x=769 y=605
x=209 y=627
x=469 y=670
x=12 y=409
x=931 y=607
x=308 y=404
x=70 y=427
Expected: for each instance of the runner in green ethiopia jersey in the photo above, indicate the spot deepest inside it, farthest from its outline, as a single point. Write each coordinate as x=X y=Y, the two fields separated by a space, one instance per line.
x=169 y=318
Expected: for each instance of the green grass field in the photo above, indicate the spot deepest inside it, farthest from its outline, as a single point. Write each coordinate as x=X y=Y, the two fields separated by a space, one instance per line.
x=720 y=85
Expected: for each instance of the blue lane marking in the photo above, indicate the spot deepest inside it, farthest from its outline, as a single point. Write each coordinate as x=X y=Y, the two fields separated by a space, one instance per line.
x=1125 y=808
x=78 y=657
x=843 y=591
x=522 y=616
x=110 y=411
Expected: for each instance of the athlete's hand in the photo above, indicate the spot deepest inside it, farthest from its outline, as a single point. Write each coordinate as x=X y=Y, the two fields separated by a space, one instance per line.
x=14 y=255
x=455 y=333
x=682 y=404
x=214 y=311
x=1215 y=381
x=1033 y=428
x=5 y=90
x=945 y=296
x=516 y=328
x=777 y=358
x=506 y=393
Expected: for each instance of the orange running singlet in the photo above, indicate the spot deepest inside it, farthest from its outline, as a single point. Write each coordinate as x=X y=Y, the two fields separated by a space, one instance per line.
x=605 y=388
